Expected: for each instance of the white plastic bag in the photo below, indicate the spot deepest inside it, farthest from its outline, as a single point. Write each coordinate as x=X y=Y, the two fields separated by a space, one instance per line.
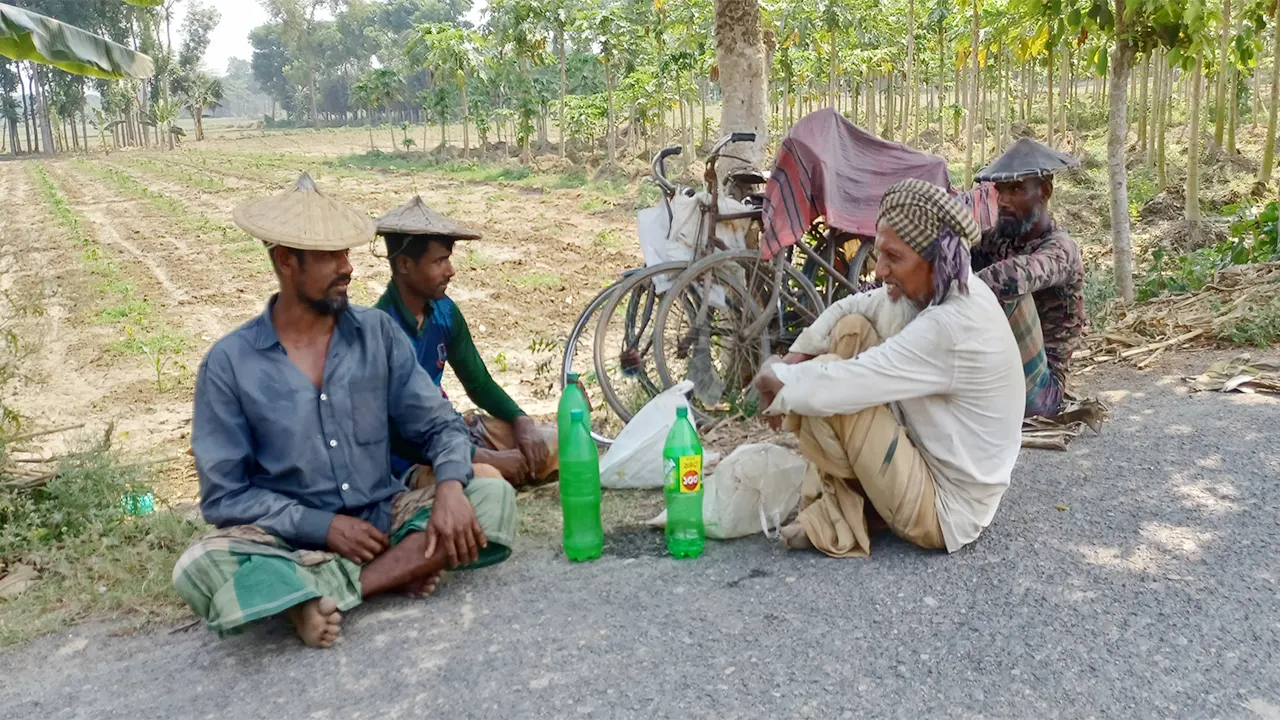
x=634 y=460
x=754 y=489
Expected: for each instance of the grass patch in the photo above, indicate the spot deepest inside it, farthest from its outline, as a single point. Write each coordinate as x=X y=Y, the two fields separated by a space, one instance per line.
x=471 y=258
x=1099 y=295
x=127 y=309
x=593 y=205
x=94 y=559
x=571 y=179
x=607 y=239
x=531 y=280
x=1259 y=326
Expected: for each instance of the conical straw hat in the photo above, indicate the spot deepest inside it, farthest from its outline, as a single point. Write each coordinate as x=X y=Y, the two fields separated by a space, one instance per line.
x=1026 y=159
x=415 y=218
x=303 y=218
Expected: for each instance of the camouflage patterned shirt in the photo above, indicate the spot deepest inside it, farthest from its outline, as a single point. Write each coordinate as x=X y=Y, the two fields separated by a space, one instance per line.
x=1051 y=269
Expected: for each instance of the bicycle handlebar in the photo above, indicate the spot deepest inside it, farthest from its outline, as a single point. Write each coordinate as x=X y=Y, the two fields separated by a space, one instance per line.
x=659 y=170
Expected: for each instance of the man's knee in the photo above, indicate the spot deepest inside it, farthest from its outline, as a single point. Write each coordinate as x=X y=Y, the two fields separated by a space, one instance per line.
x=494 y=501
x=852 y=334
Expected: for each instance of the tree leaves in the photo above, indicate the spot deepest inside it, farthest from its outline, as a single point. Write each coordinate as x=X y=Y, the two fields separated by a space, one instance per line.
x=26 y=35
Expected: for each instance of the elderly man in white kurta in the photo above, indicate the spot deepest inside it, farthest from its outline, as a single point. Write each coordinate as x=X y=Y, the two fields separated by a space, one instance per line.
x=908 y=399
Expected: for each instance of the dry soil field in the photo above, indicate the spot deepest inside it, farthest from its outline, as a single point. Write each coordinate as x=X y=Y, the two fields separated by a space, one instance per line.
x=127 y=266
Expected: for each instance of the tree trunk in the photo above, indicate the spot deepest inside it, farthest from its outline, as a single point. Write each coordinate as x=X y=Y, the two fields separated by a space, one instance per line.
x=1219 y=107
x=972 y=110
x=832 y=69
x=1193 y=153
x=1269 y=149
x=1162 y=120
x=466 y=116
x=908 y=107
x=740 y=55
x=1049 y=115
x=1117 y=140
x=315 y=112
x=1233 y=108
x=1142 y=109
x=611 y=143
x=564 y=86
x=42 y=111
x=889 y=107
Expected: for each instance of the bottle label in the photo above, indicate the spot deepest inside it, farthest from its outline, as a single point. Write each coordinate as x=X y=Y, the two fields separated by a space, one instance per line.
x=690 y=473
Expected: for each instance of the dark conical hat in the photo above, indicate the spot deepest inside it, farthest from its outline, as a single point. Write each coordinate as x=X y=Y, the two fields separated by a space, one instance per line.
x=1026 y=159
x=415 y=218
x=304 y=218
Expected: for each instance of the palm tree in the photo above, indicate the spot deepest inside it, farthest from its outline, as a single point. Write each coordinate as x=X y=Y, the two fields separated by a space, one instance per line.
x=377 y=89
x=200 y=91
x=449 y=52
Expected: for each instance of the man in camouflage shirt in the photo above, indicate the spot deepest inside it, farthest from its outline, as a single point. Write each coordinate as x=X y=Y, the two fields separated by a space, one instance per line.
x=1035 y=270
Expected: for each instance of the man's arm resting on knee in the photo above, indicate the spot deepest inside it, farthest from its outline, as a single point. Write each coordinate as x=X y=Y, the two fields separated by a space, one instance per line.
x=1055 y=263
x=917 y=362
x=816 y=339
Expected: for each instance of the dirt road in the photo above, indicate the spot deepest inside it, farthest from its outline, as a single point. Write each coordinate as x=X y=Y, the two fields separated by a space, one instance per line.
x=1150 y=594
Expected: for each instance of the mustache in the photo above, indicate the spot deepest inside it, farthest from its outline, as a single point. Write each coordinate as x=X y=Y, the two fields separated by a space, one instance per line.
x=340 y=280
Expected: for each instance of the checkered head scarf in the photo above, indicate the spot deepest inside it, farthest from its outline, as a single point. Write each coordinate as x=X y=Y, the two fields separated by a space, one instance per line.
x=935 y=225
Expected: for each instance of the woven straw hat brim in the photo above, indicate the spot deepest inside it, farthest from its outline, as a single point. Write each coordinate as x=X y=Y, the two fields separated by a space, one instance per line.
x=415 y=218
x=1026 y=159
x=303 y=218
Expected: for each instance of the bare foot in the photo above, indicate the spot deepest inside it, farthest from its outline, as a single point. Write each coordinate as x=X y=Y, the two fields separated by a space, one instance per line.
x=420 y=589
x=317 y=621
x=794 y=537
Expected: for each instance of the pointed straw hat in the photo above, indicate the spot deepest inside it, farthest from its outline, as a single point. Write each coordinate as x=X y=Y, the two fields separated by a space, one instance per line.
x=303 y=218
x=415 y=218
x=1026 y=159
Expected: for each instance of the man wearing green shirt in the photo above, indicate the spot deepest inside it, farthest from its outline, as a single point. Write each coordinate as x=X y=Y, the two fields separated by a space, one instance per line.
x=419 y=245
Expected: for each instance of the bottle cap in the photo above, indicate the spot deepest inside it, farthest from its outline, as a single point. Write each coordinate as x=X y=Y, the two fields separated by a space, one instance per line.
x=682 y=412
x=576 y=415
x=571 y=379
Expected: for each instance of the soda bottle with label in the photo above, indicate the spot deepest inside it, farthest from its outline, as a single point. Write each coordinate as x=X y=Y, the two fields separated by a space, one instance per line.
x=571 y=398
x=682 y=461
x=580 y=491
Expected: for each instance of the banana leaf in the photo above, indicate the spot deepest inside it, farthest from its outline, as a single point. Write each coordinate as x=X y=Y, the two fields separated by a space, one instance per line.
x=25 y=35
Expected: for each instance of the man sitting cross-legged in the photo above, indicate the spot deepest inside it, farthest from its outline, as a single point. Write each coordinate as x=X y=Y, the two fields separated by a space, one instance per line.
x=292 y=445
x=908 y=399
x=420 y=245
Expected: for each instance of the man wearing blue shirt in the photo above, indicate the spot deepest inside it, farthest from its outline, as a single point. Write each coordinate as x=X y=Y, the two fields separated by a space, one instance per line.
x=292 y=445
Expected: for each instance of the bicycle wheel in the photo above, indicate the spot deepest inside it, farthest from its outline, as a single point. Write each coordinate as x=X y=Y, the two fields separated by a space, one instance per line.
x=727 y=319
x=623 y=343
x=579 y=357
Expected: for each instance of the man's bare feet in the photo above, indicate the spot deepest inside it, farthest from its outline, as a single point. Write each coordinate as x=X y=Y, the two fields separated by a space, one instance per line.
x=420 y=589
x=317 y=621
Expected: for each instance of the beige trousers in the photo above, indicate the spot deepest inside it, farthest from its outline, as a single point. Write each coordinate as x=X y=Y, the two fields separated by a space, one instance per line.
x=863 y=457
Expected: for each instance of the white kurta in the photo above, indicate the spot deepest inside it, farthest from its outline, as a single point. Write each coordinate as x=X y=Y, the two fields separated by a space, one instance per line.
x=953 y=375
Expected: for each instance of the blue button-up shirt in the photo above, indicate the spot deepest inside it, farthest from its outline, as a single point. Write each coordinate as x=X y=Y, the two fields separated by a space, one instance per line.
x=274 y=451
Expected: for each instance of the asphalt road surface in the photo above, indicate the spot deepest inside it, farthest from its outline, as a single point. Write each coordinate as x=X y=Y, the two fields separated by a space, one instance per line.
x=1134 y=576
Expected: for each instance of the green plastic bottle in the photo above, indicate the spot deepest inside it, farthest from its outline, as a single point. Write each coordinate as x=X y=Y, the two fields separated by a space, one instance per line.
x=580 y=491
x=571 y=398
x=682 y=462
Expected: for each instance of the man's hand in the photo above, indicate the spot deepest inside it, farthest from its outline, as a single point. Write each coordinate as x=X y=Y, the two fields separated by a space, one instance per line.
x=453 y=526
x=768 y=385
x=511 y=463
x=795 y=358
x=355 y=539
x=530 y=443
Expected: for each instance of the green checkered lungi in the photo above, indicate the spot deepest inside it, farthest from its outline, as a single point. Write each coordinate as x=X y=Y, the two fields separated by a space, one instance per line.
x=1044 y=391
x=236 y=575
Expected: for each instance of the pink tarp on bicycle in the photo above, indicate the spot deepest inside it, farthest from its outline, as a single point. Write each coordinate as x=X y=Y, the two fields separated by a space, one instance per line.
x=828 y=167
